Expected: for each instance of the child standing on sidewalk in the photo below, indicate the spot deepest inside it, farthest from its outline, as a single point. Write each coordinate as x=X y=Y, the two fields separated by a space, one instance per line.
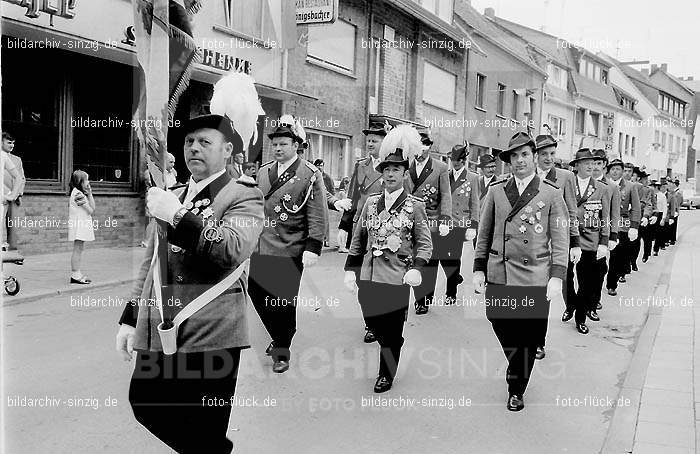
x=80 y=229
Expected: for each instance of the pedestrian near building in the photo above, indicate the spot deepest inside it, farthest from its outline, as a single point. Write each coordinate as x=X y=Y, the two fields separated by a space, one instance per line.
x=292 y=239
x=593 y=221
x=464 y=187
x=235 y=168
x=390 y=246
x=546 y=146
x=213 y=226
x=630 y=216
x=678 y=201
x=81 y=206
x=13 y=189
x=521 y=254
x=662 y=214
x=429 y=180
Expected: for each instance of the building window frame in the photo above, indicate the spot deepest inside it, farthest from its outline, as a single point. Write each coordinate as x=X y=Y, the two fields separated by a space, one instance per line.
x=480 y=91
x=328 y=64
x=580 y=120
x=433 y=101
x=501 y=104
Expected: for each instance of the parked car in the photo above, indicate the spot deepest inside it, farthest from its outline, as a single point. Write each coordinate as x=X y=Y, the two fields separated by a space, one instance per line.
x=690 y=199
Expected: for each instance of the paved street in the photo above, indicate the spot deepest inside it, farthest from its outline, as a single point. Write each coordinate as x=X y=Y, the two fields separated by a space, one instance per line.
x=450 y=389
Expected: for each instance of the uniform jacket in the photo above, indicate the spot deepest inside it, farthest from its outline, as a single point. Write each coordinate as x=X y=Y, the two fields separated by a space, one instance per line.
x=673 y=206
x=233 y=171
x=295 y=209
x=614 y=203
x=433 y=187
x=566 y=181
x=593 y=215
x=365 y=180
x=199 y=256
x=388 y=241
x=483 y=188
x=647 y=200
x=630 y=209
x=465 y=199
x=523 y=240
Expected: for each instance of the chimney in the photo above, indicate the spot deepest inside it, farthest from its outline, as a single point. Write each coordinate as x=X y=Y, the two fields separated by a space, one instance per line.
x=664 y=67
x=645 y=71
x=490 y=12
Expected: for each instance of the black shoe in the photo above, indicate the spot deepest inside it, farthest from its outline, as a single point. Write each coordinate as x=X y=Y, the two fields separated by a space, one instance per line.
x=268 y=350
x=369 y=336
x=383 y=384
x=566 y=316
x=515 y=402
x=656 y=253
x=540 y=353
x=82 y=280
x=450 y=300
x=421 y=309
x=280 y=366
x=611 y=292
x=598 y=306
x=622 y=279
x=593 y=315
x=582 y=328
x=672 y=243
x=644 y=259
x=634 y=267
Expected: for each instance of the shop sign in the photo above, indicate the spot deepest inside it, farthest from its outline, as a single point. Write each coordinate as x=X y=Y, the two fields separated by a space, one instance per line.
x=61 y=8
x=316 y=11
x=225 y=62
x=609 y=137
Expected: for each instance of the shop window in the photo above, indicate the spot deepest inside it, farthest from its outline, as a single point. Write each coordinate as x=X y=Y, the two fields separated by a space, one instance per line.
x=31 y=90
x=104 y=102
x=439 y=87
x=332 y=149
x=333 y=44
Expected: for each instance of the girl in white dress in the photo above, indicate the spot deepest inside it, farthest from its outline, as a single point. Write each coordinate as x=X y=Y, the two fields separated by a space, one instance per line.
x=80 y=227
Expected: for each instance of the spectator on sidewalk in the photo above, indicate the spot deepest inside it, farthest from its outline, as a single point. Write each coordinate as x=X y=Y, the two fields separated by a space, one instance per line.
x=13 y=188
x=81 y=206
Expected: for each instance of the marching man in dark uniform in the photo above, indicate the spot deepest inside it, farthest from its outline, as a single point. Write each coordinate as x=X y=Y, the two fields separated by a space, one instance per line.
x=678 y=201
x=429 y=180
x=521 y=256
x=292 y=238
x=464 y=186
x=214 y=225
x=647 y=225
x=487 y=164
x=546 y=148
x=365 y=180
x=634 y=175
x=630 y=216
x=593 y=221
x=390 y=246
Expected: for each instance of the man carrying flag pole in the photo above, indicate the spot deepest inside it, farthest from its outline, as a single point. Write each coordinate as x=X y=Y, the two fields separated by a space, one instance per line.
x=194 y=271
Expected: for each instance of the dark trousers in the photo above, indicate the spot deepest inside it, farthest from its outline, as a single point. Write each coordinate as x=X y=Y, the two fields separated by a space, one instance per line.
x=635 y=247
x=384 y=308
x=619 y=261
x=601 y=269
x=425 y=292
x=185 y=399
x=518 y=328
x=660 y=235
x=587 y=270
x=673 y=230
x=451 y=258
x=648 y=235
x=274 y=285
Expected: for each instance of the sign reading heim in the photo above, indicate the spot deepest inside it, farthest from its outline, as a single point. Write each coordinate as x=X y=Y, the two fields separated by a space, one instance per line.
x=61 y=8
x=316 y=11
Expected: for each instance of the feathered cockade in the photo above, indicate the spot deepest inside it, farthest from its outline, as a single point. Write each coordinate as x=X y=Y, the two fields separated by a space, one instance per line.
x=235 y=97
x=403 y=137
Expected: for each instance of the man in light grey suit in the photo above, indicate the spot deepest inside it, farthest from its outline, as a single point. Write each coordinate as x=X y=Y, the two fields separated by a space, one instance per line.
x=213 y=226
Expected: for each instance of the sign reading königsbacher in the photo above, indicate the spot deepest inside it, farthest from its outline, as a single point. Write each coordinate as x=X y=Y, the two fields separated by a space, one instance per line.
x=316 y=11
x=61 y=8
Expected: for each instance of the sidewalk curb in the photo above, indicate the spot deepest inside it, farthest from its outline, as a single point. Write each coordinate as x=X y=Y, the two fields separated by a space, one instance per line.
x=623 y=425
x=8 y=301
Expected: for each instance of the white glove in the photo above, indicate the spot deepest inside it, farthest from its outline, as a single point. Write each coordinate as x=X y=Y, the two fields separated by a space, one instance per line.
x=575 y=255
x=309 y=259
x=602 y=251
x=471 y=234
x=670 y=222
x=343 y=205
x=444 y=229
x=125 y=341
x=633 y=234
x=350 y=281
x=554 y=289
x=662 y=223
x=652 y=220
x=479 y=281
x=412 y=278
x=162 y=204
x=644 y=222
x=612 y=245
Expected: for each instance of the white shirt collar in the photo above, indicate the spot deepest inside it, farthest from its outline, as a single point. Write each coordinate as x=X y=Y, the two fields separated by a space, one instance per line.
x=616 y=183
x=487 y=180
x=458 y=173
x=583 y=183
x=543 y=173
x=522 y=184
x=281 y=167
x=375 y=162
x=390 y=197
x=600 y=178
x=194 y=188
x=421 y=165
